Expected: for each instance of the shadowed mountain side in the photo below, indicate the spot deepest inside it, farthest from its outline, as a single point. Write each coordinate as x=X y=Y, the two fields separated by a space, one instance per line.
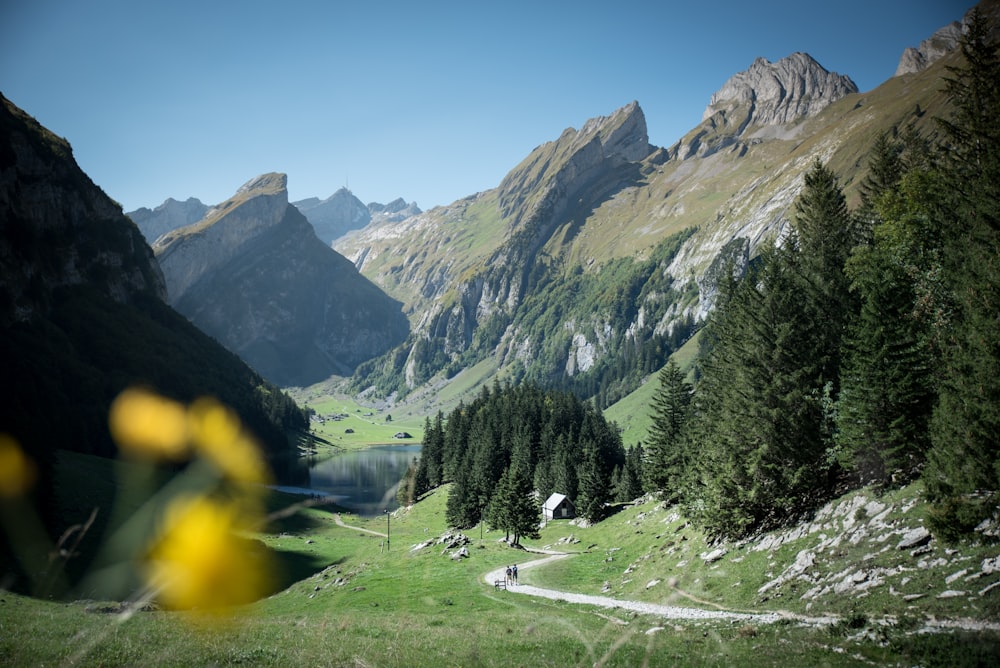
x=254 y=275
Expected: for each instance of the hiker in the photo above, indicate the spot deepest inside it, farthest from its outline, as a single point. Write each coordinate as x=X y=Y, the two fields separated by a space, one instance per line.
x=510 y=576
x=513 y=573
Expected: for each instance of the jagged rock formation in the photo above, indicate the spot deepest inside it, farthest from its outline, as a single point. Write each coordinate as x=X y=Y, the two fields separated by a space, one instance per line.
x=342 y=212
x=254 y=275
x=759 y=101
x=154 y=223
x=336 y=215
x=943 y=41
x=395 y=211
x=576 y=172
x=59 y=229
x=775 y=93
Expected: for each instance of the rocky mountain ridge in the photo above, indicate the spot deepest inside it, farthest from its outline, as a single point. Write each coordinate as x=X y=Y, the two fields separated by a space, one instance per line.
x=343 y=212
x=59 y=229
x=254 y=275
x=154 y=223
x=83 y=312
x=600 y=196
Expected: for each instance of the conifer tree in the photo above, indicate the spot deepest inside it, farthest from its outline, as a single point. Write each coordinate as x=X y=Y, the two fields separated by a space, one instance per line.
x=666 y=454
x=887 y=377
x=759 y=409
x=963 y=474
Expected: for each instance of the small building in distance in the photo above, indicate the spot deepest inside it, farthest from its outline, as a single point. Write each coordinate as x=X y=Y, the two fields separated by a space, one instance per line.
x=558 y=507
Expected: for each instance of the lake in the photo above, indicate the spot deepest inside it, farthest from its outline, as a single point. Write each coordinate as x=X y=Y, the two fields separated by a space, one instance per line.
x=363 y=481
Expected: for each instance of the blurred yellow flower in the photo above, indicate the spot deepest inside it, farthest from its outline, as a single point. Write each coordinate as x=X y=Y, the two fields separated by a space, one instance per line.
x=17 y=471
x=200 y=562
x=217 y=434
x=149 y=426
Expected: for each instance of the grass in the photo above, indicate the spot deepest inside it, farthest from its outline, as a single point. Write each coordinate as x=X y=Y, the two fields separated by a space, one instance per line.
x=343 y=599
x=362 y=426
x=632 y=413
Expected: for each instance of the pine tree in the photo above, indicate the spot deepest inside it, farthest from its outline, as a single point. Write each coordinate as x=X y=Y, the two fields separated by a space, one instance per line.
x=963 y=474
x=887 y=378
x=759 y=406
x=666 y=455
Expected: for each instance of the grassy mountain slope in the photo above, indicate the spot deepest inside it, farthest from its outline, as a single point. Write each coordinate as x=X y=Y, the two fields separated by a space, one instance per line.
x=469 y=274
x=346 y=600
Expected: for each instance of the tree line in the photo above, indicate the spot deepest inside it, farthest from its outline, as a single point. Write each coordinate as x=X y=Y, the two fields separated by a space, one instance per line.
x=864 y=349
x=511 y=448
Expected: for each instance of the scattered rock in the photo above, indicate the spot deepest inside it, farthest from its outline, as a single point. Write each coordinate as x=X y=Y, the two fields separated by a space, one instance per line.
x=655 y=629
x=955 y=576
x=714 y=555
x=914 y=538
x=951 y=593
x=990 y=565
x=652 y=583
x=460 y=553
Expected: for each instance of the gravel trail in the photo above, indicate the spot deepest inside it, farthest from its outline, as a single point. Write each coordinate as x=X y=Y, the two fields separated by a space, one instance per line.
x=664 y=611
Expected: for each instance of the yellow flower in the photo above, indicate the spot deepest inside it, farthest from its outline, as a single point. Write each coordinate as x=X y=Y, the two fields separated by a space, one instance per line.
x=199 y=561
x=149 y=426
x=217 y=434
x=17 y=471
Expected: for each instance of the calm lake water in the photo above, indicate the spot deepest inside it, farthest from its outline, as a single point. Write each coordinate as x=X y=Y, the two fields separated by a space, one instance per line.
x=363 y=481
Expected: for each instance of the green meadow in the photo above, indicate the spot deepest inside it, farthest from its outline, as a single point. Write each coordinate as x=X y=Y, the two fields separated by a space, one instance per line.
x=343 y=596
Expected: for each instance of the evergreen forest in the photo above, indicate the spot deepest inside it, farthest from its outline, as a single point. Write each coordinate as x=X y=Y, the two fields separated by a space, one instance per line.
x=861 y=349
x=864 y=349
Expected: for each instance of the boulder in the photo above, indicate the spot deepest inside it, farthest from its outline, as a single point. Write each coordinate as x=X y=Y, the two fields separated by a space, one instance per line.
x=914 y=538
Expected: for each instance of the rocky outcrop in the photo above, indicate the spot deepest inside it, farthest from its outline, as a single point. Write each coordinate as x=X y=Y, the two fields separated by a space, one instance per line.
x=943 y=41
x=395 y=211
x=336 y=215
x=58 y=228
x=254 y=275
x=154 y=223
x=576 y=172
x=342 y=212
x=775 y=93
x=555 y=172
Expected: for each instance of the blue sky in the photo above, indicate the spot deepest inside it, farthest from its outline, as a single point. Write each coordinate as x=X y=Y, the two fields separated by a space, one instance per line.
x=429 y=101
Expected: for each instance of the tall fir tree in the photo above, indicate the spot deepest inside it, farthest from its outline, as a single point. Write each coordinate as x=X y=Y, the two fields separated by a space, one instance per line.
x=667 y=456
x=963 y=473
x=759 y=408
x=887 y=376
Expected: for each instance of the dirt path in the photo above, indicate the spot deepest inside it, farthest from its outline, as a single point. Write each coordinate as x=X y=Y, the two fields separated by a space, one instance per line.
x=340 y=523
x=665 y=611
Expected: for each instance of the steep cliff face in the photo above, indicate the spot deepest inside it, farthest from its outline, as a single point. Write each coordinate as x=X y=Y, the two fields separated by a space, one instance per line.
x=617 y=246
x=82 y=311
x=336 y=215
x=759 y=102
x=58 y=228
x=254 y=275
x=154 y=223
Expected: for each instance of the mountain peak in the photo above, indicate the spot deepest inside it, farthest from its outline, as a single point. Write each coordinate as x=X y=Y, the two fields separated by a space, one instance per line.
x=272 y=183
x=776 y=93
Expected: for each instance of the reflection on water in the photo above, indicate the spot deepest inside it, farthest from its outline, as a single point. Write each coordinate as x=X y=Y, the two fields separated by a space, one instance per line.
x=364 y=481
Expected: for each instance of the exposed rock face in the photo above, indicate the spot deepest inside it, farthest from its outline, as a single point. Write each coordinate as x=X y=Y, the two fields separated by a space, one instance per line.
x=576 y=172
x=154 y=223
x=58 y=228
x=336 y=215
x=342 y=212
x=395 y=211
x=776 y=93
x=566 y=167
x=943 y=41
x=254 y=275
